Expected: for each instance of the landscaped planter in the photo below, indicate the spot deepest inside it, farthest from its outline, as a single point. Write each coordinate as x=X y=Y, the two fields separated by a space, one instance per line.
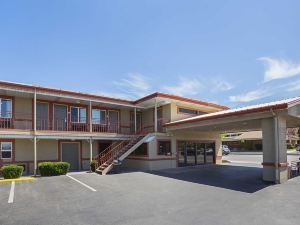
x=12 y=171
x=53 y=168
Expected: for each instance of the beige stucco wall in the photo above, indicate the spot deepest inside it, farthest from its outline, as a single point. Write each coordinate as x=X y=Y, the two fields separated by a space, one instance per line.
x=23 y=150
x=147 y=117
x=157 y=162
x=178 y=116
x=125 y=116
x=46 y=150
x=86 y=148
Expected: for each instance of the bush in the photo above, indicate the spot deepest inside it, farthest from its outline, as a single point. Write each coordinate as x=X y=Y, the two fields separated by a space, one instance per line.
x=53 y=168
x=290 y=146
x=93 y=165
x=61 y=168
x=11 y=171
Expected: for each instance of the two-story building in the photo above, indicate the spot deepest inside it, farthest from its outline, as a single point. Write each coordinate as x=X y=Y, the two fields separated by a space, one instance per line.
x=46 y=124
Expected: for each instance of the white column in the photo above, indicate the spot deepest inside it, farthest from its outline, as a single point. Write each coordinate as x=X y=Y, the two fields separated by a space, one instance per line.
x=135 y=120
x=155 y=116
x=34 y=138
x=91 y=150
x=218 y=149
x=274 y=149
x=90 y=117
x=34 y=157
x=34 y=111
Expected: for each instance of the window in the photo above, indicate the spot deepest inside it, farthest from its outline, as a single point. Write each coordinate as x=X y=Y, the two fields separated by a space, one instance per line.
x=164 y=148
x=98 y=116
x=6 y=150
x=141 y=151
x=78 y=115
x=6 y=108
x=190 y=111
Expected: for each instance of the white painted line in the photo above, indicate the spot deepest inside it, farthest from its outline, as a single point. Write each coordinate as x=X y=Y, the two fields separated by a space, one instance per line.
x=78 y=181
x=246 y=162
x=12 y=192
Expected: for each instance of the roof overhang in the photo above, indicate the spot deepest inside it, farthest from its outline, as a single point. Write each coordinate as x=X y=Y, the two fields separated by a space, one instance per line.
x=241 y=119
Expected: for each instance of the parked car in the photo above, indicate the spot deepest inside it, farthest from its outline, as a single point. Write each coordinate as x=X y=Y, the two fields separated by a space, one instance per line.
x=298 y=148
x=225 y=149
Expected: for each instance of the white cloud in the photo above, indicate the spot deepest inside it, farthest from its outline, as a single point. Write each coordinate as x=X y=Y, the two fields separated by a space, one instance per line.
x=293 y=86
x=185 y=87
x=279 y=68
x=136 y=85
x=221 y=85
x=250 y=96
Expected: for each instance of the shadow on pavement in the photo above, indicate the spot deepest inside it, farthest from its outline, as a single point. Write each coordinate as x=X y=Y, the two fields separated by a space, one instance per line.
x=233 y=177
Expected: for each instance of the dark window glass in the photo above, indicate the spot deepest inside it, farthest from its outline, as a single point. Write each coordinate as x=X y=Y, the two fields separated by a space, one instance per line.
x=6 y=108
x=74 y=114
x=82 y=115
x=98 y=116
x=6 y=149
x=190 y=111
x=164 y=148
x=6 y=155
x=141 y=151
x=78 y=115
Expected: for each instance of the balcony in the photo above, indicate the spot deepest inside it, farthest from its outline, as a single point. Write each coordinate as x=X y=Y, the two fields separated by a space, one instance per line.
x=25 y=122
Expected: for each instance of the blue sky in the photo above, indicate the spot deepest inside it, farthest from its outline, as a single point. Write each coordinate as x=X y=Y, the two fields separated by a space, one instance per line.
x=229 y=52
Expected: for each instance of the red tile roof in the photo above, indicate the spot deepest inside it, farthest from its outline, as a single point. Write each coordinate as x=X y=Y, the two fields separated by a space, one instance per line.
x=105 y=98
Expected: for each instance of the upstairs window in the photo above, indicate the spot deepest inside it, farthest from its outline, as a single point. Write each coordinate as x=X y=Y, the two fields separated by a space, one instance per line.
x=78 y=115
x=98 y=116
x=6 y=108
x=194 y=112
x=6 y=150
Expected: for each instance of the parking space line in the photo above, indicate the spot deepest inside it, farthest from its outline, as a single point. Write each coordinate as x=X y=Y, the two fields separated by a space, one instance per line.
x=12 y=192
x=78 y=181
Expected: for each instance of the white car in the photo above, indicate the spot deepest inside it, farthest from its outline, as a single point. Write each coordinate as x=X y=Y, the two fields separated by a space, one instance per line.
x=225 y=149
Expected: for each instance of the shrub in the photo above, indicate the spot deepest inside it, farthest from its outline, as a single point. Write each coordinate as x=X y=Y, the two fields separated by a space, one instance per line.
x=290 y=146
x=61 y=168
x=93 y=165
x=12 y=171
x=53 y=168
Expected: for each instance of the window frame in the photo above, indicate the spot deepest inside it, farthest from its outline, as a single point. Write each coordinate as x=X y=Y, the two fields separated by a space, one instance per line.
x=78 y=114
x=100 y=121
x=11 y=108
x=198 y=112
x=158 y=150
x=11 y=149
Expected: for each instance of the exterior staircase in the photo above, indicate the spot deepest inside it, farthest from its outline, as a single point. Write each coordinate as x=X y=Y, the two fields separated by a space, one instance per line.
x=116 y=153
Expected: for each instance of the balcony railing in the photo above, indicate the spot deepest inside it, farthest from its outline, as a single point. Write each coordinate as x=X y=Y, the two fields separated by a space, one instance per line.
x=25 y=122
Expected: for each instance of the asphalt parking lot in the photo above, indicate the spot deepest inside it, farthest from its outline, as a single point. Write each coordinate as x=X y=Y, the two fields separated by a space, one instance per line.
x=255 y=157
x=227 y=194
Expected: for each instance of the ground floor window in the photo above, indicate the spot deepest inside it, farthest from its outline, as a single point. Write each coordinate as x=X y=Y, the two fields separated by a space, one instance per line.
x=164 y=148
x=6 y=150
x=194 y=153
x=141 y=151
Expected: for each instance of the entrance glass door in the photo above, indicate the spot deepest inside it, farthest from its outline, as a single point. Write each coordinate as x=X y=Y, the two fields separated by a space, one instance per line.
x=190 y=153
x=200 y=153
x=181 y=154
x=195 y=153
x=210 y=152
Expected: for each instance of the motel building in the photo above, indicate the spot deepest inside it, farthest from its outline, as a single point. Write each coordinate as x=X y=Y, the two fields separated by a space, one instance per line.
x=158 y=131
